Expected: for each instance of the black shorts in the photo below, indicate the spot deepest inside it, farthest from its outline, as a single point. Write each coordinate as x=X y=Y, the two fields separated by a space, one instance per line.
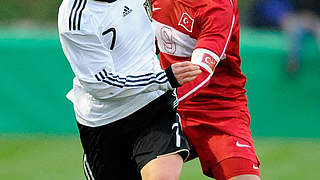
x=119 y=150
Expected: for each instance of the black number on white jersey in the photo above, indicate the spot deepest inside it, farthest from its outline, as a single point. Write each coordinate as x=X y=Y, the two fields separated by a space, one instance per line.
x=113 y=30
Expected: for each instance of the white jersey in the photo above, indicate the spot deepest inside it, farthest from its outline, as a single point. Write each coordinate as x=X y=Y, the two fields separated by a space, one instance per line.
x=110 y=47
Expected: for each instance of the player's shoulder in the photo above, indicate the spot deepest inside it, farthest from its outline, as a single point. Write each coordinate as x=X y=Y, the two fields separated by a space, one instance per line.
x=207 y=4
x=214 y=8
x=205 y=7
x=188 y=3
x=195 y=3
x=77 y=16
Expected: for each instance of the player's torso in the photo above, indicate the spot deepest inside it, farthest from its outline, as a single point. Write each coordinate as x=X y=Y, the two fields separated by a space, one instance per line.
x=132 y=36
x=117 y=34
x=178 y=26
x=123 y=27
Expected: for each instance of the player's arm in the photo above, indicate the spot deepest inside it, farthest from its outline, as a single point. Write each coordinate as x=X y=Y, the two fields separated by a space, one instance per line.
x=207 y=61
x=216 y=29
x=94 y=68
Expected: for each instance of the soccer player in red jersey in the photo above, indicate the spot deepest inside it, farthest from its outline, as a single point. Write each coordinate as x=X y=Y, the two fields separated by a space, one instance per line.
x=213 y=107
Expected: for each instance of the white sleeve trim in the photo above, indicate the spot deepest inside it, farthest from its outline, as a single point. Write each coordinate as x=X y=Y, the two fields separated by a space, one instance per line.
x=195 y=89
x=230 y=32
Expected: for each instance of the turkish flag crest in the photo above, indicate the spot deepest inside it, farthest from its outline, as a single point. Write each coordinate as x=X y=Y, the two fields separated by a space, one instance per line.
x=209 y=60
x=186 y=22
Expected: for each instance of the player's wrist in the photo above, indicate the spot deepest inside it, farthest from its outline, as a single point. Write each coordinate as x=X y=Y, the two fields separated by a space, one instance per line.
x=172 y=79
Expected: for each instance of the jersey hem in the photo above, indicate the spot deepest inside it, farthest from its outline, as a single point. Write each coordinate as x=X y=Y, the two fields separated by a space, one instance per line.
x=124 y=113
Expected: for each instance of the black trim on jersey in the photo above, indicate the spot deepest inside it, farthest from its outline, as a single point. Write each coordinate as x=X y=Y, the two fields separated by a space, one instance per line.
x=132 y=85
x=150 y=82
x=97 y=77
x=129 y=76
x=131 y=81
x=74 y=16
x=80 y=13
x=113 y=76
x=101 y=75
x=112 y=84
x=138 y=76
x=136 y=82
x=146 y=79
x=70 y=16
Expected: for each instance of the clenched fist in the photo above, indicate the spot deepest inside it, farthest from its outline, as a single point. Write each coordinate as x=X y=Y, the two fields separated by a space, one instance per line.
x=185 y=71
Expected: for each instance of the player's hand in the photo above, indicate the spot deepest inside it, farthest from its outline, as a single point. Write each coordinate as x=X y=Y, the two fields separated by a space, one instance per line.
x=185 y=71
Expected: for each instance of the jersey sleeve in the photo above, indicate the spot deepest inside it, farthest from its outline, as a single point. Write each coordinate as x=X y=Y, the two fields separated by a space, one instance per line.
x=216 y=24
x=93 y=65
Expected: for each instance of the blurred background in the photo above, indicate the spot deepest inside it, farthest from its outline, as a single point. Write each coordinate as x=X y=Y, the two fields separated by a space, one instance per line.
x=280 y=50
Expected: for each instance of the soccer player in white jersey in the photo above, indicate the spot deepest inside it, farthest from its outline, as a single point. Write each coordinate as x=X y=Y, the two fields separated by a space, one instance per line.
x=123 y=100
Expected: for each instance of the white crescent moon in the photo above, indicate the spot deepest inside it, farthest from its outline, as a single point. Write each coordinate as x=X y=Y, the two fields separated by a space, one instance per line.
x=185 y=20
x=207 y=60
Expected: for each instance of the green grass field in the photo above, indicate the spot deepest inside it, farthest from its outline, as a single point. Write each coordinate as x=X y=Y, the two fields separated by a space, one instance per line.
x=41 y=157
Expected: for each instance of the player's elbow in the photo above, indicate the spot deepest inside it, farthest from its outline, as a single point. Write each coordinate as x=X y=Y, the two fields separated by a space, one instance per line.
x=97 y=90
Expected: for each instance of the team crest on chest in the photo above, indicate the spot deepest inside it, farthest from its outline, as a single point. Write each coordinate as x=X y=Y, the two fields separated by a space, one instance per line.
x=186 y=22
x=147 y=6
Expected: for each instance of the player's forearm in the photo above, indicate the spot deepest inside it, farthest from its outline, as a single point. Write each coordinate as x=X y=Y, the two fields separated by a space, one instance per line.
x=207 y=61
x=113 y=86
x=110 y=85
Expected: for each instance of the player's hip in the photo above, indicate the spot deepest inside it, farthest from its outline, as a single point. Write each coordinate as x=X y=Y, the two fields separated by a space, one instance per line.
x=235 y=122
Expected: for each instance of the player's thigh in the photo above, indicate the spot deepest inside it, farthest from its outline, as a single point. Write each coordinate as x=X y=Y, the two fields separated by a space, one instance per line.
x=160 y=150
x=163 y=168
x=214 y=146
x=106 y=154
x=161 y=141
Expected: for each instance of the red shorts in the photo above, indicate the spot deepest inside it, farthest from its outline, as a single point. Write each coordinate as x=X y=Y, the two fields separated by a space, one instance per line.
x=219 y=140
x=234 y=167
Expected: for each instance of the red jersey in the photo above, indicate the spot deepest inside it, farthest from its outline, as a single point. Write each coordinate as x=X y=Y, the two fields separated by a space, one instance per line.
x=183 y=26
